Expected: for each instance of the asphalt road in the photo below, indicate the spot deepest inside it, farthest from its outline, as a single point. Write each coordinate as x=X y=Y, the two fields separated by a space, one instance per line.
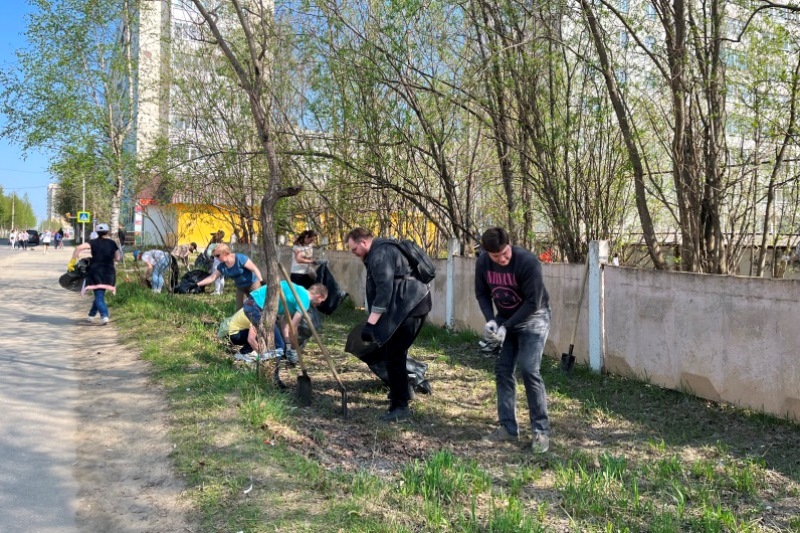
x=39 y=387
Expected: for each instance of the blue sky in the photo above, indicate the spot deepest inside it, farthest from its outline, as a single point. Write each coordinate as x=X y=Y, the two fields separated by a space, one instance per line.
x=17 y=172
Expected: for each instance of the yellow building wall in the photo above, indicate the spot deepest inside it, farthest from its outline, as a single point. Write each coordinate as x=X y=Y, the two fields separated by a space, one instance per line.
x=196 y=223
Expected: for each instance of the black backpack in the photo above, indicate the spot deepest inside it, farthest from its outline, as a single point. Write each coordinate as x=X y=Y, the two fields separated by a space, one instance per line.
x=421 y=264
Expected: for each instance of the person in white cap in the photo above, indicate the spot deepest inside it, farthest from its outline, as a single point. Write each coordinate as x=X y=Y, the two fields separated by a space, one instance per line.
x=101 y=274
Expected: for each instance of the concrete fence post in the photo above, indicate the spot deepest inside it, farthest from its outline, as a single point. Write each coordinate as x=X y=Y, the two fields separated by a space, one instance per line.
x=598 y=257
x=453 y=248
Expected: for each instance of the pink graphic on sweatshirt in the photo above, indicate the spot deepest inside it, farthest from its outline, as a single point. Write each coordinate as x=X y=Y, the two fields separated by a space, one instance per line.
x=504 y=289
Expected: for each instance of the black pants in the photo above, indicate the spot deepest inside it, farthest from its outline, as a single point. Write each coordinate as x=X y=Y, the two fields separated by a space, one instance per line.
x=304 y=280
x=395 y=352
x=240 y=339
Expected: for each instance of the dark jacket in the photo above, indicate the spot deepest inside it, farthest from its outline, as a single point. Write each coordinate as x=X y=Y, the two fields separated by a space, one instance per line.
x=391 y=289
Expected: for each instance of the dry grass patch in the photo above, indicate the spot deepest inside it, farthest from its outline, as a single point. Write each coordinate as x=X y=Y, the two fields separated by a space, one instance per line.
x=625 y=455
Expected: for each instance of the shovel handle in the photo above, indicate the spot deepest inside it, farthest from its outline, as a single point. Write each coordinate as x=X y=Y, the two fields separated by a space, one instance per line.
x=580 y=305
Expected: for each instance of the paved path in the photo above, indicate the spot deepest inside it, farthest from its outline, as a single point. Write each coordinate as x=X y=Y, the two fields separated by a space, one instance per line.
x=83 y=444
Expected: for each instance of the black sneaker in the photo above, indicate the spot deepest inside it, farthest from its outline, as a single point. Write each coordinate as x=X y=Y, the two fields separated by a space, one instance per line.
x=397 y=414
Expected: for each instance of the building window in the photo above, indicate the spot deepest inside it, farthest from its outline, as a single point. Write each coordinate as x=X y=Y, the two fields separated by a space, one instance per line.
x=623 y=6
x=623 y=39
x=650 y=11
x=650 y=43
x=622 y=76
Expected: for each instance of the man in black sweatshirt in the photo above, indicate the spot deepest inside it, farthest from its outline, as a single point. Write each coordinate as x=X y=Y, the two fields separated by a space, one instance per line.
x=508 y=279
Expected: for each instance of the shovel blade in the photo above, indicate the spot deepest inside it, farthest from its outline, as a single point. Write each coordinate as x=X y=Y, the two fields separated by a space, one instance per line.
x=344 y=404
x=304 y=390
x=568 y=360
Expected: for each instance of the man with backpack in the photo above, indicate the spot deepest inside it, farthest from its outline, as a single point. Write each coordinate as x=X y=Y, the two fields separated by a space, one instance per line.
x=398 y=302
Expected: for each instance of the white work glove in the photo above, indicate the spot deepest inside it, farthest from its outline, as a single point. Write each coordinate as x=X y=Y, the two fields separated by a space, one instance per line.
x=500 y=335
x=490 y=329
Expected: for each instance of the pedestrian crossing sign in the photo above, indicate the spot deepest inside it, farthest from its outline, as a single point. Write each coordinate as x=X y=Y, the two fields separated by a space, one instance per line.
x=84 y=217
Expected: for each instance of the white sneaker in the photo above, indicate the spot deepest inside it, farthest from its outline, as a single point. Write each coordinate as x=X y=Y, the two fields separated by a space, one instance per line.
x=90 y=319
x=541 y=443
x=104 y=320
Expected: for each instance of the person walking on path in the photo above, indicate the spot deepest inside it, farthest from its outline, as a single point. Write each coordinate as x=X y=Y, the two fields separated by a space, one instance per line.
x=514 y=301
x=22 y=240
x=240 y=268
x=398 y=304
x=101 y=276
x=46 y=236
x=12 y=238
x=58 y=238
x=156 y=262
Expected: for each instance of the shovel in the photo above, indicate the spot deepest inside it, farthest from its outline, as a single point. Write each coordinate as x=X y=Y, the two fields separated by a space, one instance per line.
x=568 y=359
x=304 y=390
x=319 y=341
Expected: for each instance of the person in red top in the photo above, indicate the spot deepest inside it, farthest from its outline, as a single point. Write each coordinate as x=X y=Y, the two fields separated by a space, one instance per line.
x=513 y=299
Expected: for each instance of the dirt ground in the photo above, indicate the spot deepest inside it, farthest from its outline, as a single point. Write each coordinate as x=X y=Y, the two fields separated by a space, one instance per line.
x=127 y=482
x=123 y=468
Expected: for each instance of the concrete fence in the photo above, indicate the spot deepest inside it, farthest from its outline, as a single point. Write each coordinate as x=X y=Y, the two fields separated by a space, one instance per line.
x=724 y=338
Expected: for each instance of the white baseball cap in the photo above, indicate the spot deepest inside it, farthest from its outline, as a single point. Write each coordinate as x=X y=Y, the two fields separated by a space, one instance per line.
x=101 y=227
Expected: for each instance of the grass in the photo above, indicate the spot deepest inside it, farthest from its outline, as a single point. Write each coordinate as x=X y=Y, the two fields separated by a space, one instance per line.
x=625 y=455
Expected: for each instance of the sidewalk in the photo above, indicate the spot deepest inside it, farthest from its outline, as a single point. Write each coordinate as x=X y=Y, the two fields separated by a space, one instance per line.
x=83 y=435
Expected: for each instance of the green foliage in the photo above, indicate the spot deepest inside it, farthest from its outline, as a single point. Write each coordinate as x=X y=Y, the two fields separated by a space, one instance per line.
x=71 y=92
x=20 y=208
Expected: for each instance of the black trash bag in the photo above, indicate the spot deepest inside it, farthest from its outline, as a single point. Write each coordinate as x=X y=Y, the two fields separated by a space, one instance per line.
x=304 y=330
x=416 y=374
x=335 y=293
x=73 y=281
x=204 y=262
x=188 y=284
x=368 y=352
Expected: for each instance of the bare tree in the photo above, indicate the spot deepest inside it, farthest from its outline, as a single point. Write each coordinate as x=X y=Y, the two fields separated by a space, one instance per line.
x=246 y=37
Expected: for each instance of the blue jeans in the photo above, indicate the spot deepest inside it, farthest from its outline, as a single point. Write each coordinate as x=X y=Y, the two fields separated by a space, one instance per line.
x=523 y=346
x=99 y=303
x=158 y=273
x=253 y=312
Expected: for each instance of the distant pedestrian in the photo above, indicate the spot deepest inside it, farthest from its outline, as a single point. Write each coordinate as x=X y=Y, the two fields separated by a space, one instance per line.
x=46 y=237
x=615 y=259
x=12 y=238
x=512 y=297
x=101 y=274
x=22 y=240
x=58 y=239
